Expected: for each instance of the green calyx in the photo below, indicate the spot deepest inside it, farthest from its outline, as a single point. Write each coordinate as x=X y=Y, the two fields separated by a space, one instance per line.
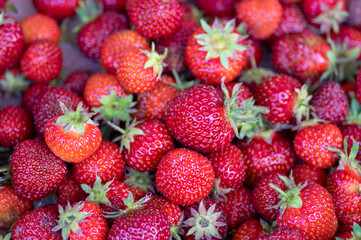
x=302 y=107
x=220 y=41
x=142 y=180
x=354 y=114
x=331 y=17
x=70 y=218
x=74 y=120
x=115 y=107
x=204 y=222
x=88 y=11
x=13 y=84
x=219 y=193
x=97 y=193
x=155 y=61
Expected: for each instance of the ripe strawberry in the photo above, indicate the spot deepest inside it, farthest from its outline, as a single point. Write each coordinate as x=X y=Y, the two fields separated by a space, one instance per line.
x=12 y=206
x=82 y=220
x=38 y=27
x=261 y=16
x=114 y=46
x=69 y=191
x=217 y=8
x=29 y=95
x=213 y=63
x=36 y=171
x=330 y=102
x=282 y=233
x=311 y=144
x=107 y=163
x=154 y=18
x=306 y=172
x=251 y=230
x=115 y=5
x=58 y=9
x=76 y=82
x=140 y=183
x=42 y=61
x=184 y=176
x=12 y=41
x=325 y=14
x=238 y=207
x=37 y=224
x=16 y=126
x=302 y=55
x=204 y=220
x=173 y=211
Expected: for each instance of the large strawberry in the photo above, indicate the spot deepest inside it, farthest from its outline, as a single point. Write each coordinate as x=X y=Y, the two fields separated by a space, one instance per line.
x=58 y=9
x=184 y=176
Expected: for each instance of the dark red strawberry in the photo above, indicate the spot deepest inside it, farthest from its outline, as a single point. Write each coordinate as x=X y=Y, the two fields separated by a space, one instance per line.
x=251 y=230
x=58 y=9
x=306 y=172
x=69 y=191
x=217 y=8
x=76 y=82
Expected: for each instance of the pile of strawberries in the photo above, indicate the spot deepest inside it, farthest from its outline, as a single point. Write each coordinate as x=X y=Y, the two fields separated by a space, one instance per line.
x=182 y=135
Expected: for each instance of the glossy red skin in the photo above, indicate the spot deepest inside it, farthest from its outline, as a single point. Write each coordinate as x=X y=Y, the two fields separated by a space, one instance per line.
x=228 y=166
x=46 y=104
x=207 y=202
x=11 y=44
x=261 y=157
x=353 y=133
x=99 y=85
x=306 y=172
x=277 y=93
x=115 y=5
x=69 y=191
x=47 y=170
x=254 y=48
x=12 y=206
x=358 y=87
x=107 y=162
x=350 y=35
x=29 y=95
x=309 y=141
x=284 y=234
x=302 y=55
x=16 y=125
x=196 y=117
x=58 y=9
x=92 y=35
x=212 y=71
x=146 y=151
x=37 y=224
x=316 y=218
x=176 y=44
x=184 y=176
x=238 y=207
x=354 y=9
x=42 y=61
x=251 y=230
x=118 y=43
x=172 y=210
x=262 y=17
x=155 y=18
x=217 y=8
x=265 y=197
x=330 y=103
x=76 y=82
x=148 y=222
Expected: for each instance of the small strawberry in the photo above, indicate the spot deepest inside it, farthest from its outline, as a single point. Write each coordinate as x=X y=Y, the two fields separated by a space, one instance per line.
x=282 y=233
x=184 y=176
x=42 y=61
x=154 y=18
x=115 y=5
x=69 y=191
x=251 y=230
x=306 y=172
x=58 y=9
x=217 y=8
x=76 y=82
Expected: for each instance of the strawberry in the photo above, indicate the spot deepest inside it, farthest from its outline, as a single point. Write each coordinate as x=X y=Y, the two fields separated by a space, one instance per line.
x=184 y=176
x=16 y=126
x=76 y=82
x=12 y=41
x=284 y=234
x=261 y=16
x=139 y=71
x=58 y=9
x=330 y=102
x=42 y=61
x=82 y=219
x=213 y=63
x=36 y=171
x=38 y=27
x=29 y=95
x=12 y=206
x=217 y=8
x=114 y=46
x=312 y=143
x=251 y=229
x=107 y=163
x=204 y=220
x=325 y=14
x=306 y=172
x=173 y=211
x=140 y=183
x=69 y=191
x=154 y=18
x=115 y=5
x=37 y=224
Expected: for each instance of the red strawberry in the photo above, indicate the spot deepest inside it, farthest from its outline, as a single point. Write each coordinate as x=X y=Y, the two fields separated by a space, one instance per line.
x=58 y=9
x=311 y=144
x=251 y=230
x=173 y=211
x=16 y=125
x=184 y=176
x=29 y=95
x=214 y=64
x=107 y=163
x=76 y=82
x=306 y=172
x=42 y=61
x=217 y=8
x=69 y=191
x=12 y=206
x=12 y=41
x=261 y=16
x=284 y=234
x=204 y=220
x=155 y=18
x=36 y=171
x=115 y=5
x=37 y=224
